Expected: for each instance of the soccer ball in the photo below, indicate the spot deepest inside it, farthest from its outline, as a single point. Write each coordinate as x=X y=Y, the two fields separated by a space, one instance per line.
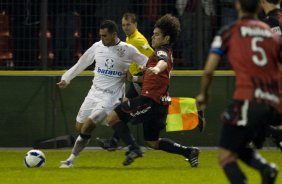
x=34 y=158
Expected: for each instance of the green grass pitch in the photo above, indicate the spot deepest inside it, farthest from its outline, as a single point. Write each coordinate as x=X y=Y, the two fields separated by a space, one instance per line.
x=102 y=167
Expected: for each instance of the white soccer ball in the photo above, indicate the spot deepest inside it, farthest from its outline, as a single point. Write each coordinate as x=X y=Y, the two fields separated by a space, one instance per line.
x=34 y=158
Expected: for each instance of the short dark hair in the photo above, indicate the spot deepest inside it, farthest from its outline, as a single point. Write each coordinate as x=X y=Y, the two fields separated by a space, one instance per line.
x=131 y=16
x=169 y=25
x=110 y=25
x=249 y=6
x=274 y=1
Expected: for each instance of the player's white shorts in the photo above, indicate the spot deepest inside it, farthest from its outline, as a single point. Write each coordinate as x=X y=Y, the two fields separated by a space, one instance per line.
x=96 y=110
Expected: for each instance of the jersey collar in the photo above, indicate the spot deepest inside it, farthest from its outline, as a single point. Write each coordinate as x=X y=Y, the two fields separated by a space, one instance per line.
x=133 y=34
x=117 y=42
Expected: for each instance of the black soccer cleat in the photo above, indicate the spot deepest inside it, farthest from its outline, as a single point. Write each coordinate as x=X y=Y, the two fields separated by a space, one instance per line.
x=107 y=144
x=131 y=155
x=193 y=157
x=269 y=174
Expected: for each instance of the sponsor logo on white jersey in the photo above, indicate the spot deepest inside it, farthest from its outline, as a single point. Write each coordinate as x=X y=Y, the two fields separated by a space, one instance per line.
x=109 y=72
x=109 y=64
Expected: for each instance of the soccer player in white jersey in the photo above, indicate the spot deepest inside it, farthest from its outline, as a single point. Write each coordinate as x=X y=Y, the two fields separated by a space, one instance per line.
x=112 y=58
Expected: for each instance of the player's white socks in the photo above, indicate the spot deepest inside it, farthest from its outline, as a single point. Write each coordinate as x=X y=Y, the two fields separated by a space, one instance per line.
x=71 y=157
x=79 y=145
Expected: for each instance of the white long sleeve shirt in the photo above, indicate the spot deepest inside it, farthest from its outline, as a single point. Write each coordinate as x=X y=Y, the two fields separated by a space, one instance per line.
x=111 y=66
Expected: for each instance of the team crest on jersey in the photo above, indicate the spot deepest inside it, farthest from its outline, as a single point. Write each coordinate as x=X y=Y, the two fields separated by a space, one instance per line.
x=109 y=63
x=120 y=52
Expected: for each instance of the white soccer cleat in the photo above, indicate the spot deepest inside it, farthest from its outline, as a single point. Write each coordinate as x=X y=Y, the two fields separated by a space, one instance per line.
x=66 y=164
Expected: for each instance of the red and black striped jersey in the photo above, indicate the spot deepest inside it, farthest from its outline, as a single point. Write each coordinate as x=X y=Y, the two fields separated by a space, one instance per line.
x=156 y=86
x=253 y=51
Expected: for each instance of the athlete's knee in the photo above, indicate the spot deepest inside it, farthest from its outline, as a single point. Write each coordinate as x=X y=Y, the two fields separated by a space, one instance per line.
x=87 y=127
x=78 y=126
x=112 y=118
x=98 y=117
x=225 y=157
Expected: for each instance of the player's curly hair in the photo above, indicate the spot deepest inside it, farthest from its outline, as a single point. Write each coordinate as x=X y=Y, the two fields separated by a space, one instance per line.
x=169 y=25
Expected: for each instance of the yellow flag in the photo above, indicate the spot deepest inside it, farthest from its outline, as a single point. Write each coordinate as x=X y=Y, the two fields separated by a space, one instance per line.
x=182 y=114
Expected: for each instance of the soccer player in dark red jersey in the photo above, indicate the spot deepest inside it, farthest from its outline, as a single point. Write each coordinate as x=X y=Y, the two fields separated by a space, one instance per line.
x=273 y=17
x=254 y=53
x=151 y=107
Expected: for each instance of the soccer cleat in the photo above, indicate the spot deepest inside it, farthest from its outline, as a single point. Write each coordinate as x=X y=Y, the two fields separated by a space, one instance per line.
x=193 y=157
x=107 y=144
x=131 y=155
x=269 y=174
x=66 y=164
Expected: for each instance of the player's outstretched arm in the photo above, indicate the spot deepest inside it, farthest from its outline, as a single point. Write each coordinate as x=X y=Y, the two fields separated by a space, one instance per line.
x=206 y=80
x=160 y=67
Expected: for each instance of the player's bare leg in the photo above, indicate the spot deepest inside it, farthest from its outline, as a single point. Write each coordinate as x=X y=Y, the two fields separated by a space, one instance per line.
x=81 y=142
x=228 y=162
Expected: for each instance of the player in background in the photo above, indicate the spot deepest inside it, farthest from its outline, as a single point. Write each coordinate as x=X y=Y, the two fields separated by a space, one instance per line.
x=256 y=95
x=135 y=38
x=273 y=14
x=151 y=107
x=273 y=17
x=112 y=59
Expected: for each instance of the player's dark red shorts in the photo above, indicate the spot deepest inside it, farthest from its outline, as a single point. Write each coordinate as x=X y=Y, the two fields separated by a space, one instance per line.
x=144 y=110
x=243 y=122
